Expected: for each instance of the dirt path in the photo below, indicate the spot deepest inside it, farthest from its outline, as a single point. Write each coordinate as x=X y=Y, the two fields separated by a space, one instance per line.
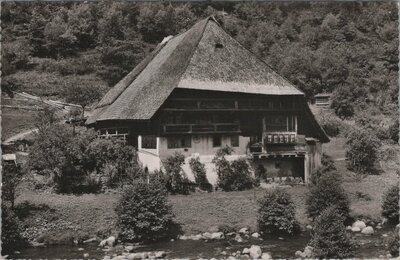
x=19 y=136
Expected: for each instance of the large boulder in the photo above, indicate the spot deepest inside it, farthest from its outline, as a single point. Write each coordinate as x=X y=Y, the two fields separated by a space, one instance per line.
x=206 y=235
x=255 y=235
x=255 y=251
x=266 y=256
x=367 y=230
x=360 y=224
x=308 y=251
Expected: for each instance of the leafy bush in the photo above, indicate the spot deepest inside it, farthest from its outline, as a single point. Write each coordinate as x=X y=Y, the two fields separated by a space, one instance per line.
x=175 y=179
x=144 y=214
x=329 y=238
x=200 y=174
x=10 y=231
x=328 y=168
x=330 y=123
x=232 y=176
x=361 y=151
x=276 y=213
x=390 y=204
x=325 y=193
x=117 y=161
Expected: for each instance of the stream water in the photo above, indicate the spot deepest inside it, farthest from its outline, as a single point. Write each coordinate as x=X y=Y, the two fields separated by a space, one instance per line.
x=370 y=247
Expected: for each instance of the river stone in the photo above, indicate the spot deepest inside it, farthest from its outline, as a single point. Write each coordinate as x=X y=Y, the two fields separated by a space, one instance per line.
x=90 y=240
x=360 y=224
x=367 y=230
x=183 y=237
x=206 y=235
x=255 y=251
x=160 y=254
x=244 y=230
x=266 y=256
x=196 y=237
x=299 y=253
x=81 y=249
x=309 y=227
x=348 y=228
x=355 y=229
x=103 y=243
x=86 y=255
x=308 y=251
x=238 y=238
x=255 y=235
x=129 y=248
x=111 y=241
x=246 y=251
x=217 y=235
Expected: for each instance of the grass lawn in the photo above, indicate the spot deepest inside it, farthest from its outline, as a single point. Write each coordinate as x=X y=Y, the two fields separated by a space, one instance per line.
x=200 y=211
x=14 y=121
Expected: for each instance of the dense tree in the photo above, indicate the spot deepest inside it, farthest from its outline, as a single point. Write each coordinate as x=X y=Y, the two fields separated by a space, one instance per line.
x=82 y=95
x=350 y=49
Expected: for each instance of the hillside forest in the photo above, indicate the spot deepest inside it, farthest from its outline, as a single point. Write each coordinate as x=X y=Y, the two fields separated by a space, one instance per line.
x=349 y=49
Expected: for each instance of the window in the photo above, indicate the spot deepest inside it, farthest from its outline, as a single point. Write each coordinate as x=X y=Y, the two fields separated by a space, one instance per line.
x=149 y=142
x=179 y=142
x=279 y=123
x=234 y=140
x=216 y=141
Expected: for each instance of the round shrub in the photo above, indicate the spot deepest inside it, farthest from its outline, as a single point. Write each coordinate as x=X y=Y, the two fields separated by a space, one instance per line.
x=175 y=178
x=276 y=213
x=390 y=204
x=144 y=213
x=362 y=150
x=235 y=175
x=325 y=193
x=329 y=238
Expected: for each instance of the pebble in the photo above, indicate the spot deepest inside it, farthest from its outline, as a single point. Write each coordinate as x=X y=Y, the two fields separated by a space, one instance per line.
x=81 y=249
x=85 y=255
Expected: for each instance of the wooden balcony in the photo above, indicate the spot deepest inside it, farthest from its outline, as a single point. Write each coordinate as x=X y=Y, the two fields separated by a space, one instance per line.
x=274 y=143
x=201 y=128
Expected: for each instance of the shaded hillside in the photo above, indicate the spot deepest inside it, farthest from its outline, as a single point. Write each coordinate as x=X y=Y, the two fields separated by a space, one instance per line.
x=346 y=48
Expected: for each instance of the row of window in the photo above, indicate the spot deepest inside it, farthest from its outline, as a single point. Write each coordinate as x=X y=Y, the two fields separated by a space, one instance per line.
x=150 y=141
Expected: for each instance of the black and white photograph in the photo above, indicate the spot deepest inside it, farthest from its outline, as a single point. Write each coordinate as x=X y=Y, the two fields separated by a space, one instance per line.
x=200 y=129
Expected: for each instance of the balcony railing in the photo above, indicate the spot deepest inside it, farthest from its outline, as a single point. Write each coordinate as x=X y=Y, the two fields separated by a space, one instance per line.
x=201 y=128
x=280 y=138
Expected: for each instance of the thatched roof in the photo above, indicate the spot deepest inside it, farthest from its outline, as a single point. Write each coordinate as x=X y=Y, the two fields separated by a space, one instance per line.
x=206 y=58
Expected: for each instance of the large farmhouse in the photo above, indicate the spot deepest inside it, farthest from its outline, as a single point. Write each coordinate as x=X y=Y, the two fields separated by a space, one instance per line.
x=202 y=90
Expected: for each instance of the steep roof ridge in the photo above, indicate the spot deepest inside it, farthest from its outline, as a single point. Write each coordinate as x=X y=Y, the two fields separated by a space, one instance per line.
x=193 y=49
x=131 y=76
x=261 y=60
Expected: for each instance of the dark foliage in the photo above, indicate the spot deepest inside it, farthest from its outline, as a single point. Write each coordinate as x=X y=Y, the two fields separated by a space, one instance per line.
x=11 y=177
x=327 y=168
x=82 y=95
x=394 y=244
x=11 y=229
x=200 y=174
x=350 y=49
x=361 y=151
x=330 y=239
x=260 y=172
x=390 y=204
x=394 y=131
x=175 y=179
x=276 y=213
x=144 y=213
x=325 y=193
